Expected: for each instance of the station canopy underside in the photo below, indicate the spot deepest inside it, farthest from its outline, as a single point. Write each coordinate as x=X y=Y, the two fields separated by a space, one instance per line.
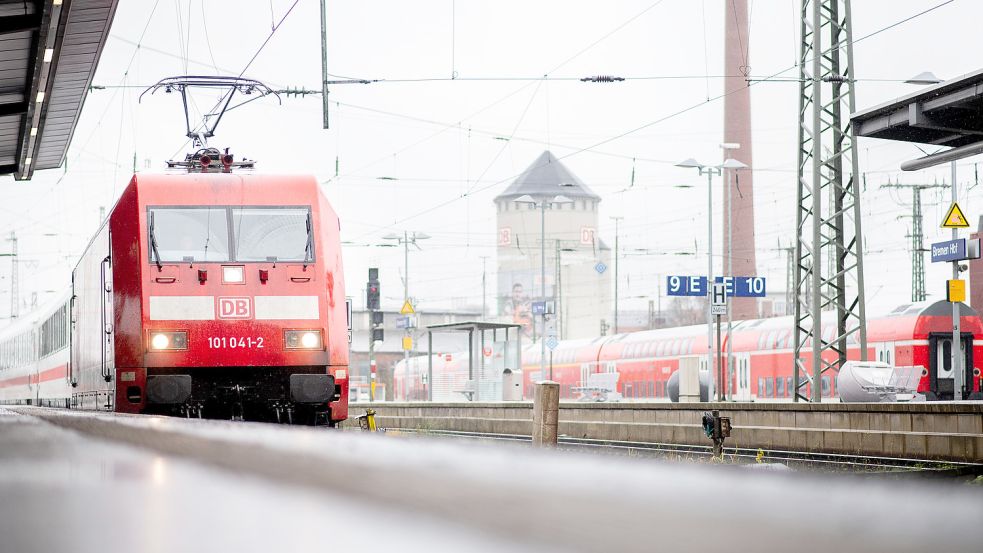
x=946 y=114
x=49 y=50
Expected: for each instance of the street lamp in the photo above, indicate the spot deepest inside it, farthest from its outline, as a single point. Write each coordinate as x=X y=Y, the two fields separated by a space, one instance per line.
x=406 y=239
x=710 y=171
x=730 y=256
x=541 y=204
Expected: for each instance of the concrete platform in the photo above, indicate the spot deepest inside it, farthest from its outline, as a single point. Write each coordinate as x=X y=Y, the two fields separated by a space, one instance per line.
x=94 y=482
x=930 y=431
x=61 y=490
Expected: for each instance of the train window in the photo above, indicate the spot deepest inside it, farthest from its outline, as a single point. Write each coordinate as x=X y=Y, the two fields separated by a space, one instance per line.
x=769 y=388
x=780 y=386
x=273 y=234
x=761 y=387
x=826 y=388
x=188 y=234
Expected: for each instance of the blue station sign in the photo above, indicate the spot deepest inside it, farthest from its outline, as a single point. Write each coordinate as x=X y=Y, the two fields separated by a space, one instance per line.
x=737 y=287
x=950 y=250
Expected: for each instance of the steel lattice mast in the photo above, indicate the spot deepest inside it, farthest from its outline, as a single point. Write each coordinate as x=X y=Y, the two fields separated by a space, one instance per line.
x=917 y=236
x=827 y=168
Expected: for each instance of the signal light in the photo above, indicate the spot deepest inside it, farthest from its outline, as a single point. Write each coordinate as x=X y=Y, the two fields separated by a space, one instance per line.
x=377 y=317
x=378 y=334
x=372 y=300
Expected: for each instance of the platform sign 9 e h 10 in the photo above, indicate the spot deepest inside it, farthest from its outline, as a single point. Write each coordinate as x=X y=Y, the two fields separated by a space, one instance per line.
x=737 y=287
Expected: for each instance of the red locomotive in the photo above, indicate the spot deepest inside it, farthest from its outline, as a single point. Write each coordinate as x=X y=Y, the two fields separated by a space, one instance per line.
x=918 y=334
x=210 y=294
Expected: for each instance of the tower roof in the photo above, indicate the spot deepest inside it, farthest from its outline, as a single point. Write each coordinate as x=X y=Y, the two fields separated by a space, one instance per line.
x=547 y=176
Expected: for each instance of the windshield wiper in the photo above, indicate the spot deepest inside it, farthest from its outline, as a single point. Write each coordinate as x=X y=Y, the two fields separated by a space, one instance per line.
x=309 y=248
x=153 y=244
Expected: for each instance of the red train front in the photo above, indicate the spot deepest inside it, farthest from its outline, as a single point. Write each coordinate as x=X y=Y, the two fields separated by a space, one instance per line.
x=214 y=294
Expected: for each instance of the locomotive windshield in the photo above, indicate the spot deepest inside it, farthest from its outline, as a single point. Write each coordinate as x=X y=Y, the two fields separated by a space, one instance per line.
x=227 y=233
x=191 y=233
x=271 y=234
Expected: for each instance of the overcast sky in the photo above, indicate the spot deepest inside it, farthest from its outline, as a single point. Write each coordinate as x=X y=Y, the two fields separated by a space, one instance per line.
x=439 y=142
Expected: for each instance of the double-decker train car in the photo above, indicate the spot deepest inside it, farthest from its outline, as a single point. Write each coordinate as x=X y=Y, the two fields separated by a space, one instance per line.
x=209 y=294
x=917 y=334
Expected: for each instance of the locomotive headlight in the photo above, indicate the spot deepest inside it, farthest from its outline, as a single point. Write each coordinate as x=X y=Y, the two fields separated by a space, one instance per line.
x=169 y=340
x=310 y=340
x=160 y=341
x=302 y=339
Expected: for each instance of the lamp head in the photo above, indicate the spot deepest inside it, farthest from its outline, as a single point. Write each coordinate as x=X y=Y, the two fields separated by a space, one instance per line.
x=690 y=163
x=731 y=163
x=924 y=78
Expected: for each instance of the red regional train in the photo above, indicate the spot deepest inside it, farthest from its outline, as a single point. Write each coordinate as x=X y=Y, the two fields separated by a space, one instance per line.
x=204 y=294
x=914 y=334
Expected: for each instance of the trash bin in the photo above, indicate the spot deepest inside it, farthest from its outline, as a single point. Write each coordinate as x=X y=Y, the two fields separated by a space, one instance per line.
x=511 y=385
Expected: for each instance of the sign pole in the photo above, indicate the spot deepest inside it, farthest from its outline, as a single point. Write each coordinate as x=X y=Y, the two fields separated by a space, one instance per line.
x=710 y=280
x=720 y=367
x=957 y=392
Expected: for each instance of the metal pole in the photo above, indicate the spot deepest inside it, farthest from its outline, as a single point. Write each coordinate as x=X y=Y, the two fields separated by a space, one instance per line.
x=542 y=285
x=471 y=374
x=429 y=365
x=817 y=206
x=14 y=277
x=730 y=273
x=372 y=375
x=324 y=63
x=617 y=235
x=720 y=368
x=484 y=293
x=709 y=171
x=956 y=349
x=477 y=373
x=406 y=298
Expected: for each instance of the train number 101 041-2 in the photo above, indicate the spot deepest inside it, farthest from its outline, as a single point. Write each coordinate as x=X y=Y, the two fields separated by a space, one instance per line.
x=233 y=342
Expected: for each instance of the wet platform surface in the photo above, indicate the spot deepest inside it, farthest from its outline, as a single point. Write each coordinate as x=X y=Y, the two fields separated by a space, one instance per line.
x=64 y=491
x=85 y=482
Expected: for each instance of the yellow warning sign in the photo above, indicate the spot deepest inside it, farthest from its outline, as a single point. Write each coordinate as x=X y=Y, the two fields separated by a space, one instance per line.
x=408 y=308
x=955 y=218
x=407 y=343
x=955 y=291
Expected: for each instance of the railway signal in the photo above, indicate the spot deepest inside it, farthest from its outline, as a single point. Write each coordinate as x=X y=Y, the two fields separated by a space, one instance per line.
x=716 y=428
x=376 y=333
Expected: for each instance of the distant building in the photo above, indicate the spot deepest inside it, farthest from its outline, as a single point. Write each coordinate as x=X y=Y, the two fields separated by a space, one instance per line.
x=578 y=264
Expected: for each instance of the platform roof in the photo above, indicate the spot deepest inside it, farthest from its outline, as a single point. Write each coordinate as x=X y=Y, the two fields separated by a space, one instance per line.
x=471 y=326
x=946 y=114
x=48 y=55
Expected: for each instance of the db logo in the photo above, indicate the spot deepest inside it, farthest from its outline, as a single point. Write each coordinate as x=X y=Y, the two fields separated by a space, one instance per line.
x=234 y=308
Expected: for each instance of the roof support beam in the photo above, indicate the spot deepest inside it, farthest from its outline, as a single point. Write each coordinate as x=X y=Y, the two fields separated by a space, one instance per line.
x=19 y=23
x=13 y=108
x=918 y=118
